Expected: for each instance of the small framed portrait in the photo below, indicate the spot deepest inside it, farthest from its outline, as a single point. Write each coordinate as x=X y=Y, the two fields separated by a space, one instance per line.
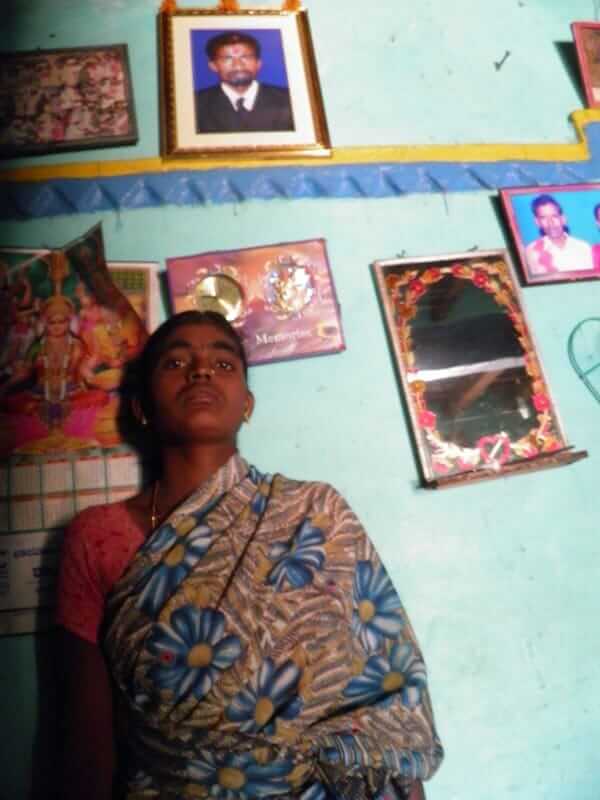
x=556 y=231
x=69 y=99
x=587 y=44
x=242 y=84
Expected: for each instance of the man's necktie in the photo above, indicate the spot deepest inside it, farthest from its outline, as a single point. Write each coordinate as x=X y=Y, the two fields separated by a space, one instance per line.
x=239 y=104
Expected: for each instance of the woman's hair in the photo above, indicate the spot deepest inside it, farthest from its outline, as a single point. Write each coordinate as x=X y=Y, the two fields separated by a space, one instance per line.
x=145 y=363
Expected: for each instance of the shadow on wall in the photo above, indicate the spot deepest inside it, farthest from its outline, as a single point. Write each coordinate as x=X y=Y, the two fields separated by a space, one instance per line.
x=46 y=751
x=568 y=56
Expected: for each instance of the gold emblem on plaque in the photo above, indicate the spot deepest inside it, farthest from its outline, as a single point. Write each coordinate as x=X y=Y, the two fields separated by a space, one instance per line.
x=220 y=293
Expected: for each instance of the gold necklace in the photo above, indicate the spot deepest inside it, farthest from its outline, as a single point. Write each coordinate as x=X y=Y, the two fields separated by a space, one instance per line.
x=154 y=507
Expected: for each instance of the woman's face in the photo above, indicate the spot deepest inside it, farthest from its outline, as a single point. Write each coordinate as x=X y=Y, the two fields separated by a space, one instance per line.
x=198 y=387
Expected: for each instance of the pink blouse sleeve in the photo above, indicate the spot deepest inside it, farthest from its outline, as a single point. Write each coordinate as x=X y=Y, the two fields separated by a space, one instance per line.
x=80 y=598
x=98 y=546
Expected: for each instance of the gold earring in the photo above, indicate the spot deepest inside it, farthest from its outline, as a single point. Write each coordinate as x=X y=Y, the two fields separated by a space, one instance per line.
x=144 y=421
x=246 y=415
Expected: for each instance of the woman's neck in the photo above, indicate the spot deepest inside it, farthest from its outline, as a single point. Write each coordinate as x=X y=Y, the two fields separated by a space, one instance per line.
x=185 y=468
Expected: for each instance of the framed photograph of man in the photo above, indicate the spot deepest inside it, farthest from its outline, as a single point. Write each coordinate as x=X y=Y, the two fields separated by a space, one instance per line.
x=556 y=231
x=69 y=99
x=240 y=84
x=587 y=44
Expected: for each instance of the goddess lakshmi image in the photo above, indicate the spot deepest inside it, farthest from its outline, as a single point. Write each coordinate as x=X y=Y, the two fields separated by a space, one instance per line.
x=49 y=399
x=60 y=379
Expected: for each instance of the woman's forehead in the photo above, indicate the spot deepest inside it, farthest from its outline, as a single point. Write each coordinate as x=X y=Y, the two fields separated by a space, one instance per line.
x=200 y=334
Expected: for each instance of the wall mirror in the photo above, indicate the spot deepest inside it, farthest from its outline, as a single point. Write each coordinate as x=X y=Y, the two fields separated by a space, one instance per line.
x=476 y=394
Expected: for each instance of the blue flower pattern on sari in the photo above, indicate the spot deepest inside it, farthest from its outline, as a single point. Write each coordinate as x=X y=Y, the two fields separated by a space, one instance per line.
x=376 y=615
x=239 y=777
x=191 y=651
x=271 y=693
x=161 y=580
x=383 y=679
x=316 y=791
x=263 y=487
x=188 y=650
x=297 y=558
x=166 y=535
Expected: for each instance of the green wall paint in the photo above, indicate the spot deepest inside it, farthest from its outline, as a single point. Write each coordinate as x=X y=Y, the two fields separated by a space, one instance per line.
x=391 y=72
x=499 y=577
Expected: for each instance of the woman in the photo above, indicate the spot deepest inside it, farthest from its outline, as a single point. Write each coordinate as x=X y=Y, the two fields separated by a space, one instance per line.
x=256 y=644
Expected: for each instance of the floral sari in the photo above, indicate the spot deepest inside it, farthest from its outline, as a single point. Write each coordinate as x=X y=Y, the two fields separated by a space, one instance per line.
x=260 y=650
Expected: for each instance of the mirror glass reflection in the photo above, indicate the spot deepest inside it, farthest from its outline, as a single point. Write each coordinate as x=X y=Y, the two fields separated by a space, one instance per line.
x=468 y=355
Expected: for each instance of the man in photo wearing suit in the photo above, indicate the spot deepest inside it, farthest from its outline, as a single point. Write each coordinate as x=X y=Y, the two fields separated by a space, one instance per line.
x=240 y=103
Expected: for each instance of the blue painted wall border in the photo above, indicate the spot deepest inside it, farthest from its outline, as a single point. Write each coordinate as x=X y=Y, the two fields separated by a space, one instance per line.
x=26 y=199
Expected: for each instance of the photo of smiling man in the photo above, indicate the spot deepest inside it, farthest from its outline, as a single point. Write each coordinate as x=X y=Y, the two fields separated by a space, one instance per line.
x=555 y=250
x=241 y=101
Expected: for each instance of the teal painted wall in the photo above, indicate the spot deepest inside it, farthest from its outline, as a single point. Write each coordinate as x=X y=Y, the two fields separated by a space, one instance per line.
x=391 y=72
x=500 y=577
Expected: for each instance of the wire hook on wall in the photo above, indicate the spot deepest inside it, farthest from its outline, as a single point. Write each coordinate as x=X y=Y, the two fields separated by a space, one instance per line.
x=583 y=348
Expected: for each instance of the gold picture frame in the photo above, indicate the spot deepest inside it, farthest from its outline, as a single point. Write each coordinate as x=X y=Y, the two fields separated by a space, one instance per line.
x=72 y=98
x=240 y=84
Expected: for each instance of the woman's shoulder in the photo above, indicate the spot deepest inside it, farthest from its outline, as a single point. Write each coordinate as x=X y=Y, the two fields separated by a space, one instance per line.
x=104 y=537
x=101 y=517
x=309 y=486
x=98 y=545
x=317 y=503
x=313 y=493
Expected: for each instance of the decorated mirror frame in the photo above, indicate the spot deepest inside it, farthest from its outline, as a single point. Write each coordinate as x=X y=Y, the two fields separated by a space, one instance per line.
x=401 y=284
